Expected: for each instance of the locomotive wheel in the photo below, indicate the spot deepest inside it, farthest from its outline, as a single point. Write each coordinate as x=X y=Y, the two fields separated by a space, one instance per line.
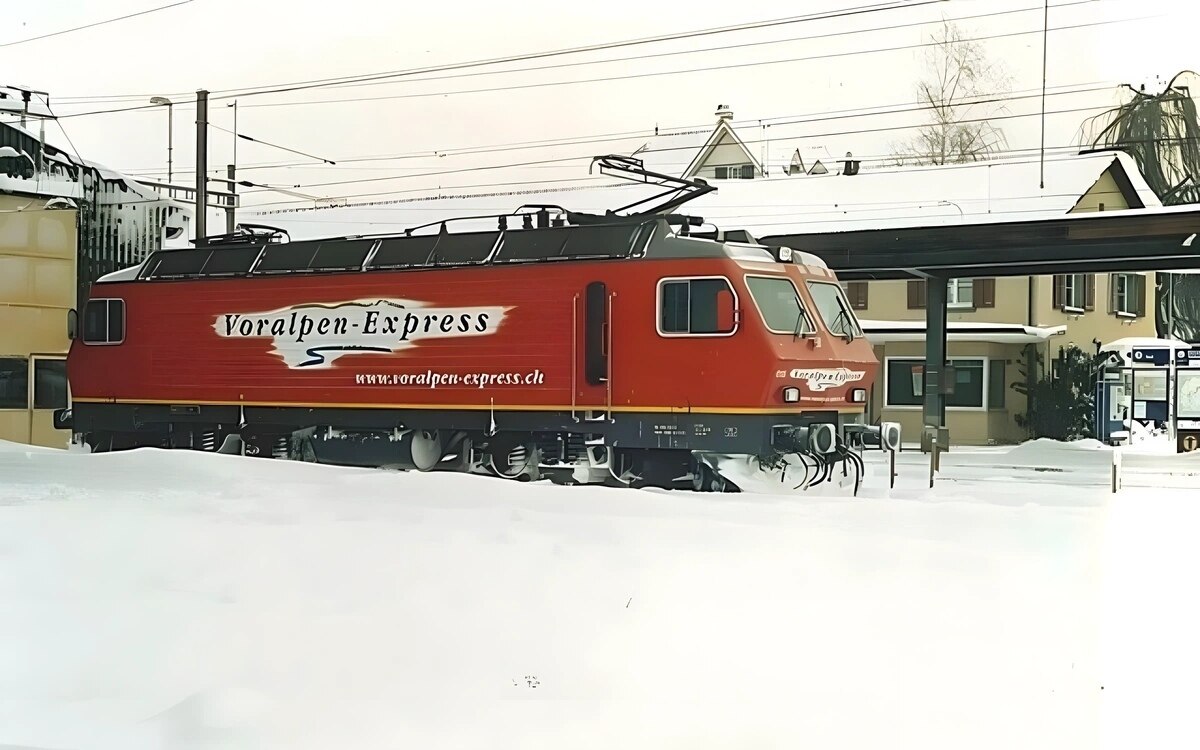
x=426 y=447
x=707 y=479
x=511 y=458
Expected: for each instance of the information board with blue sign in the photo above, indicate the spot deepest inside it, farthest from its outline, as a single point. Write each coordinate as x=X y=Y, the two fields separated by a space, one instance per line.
x=1151 y=355
x=1187 y=357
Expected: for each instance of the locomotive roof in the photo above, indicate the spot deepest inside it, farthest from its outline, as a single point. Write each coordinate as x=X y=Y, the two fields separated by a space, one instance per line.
x=614 y=239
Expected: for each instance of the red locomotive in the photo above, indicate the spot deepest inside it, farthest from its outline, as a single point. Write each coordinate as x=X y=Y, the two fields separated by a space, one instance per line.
x=585 y=348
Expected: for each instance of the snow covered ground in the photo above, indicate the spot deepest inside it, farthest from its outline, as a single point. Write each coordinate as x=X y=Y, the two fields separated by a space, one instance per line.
x=172 y=599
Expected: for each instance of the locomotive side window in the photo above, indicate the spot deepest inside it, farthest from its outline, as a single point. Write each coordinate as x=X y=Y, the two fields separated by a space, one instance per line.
x=691 y=307
x=835 y=309
x=104 y=321
x=779 y=304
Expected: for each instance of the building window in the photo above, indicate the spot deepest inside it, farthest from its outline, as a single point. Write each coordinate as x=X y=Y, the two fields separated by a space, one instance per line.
x=1075 y=292
x=856 y=291
x=696 y=306
x=959 y=293
x=104 y=321
x=1127 y=295
x=14 y=383
x=49 y=383
x=904 y=383
x=741 y=171
x=996 y=383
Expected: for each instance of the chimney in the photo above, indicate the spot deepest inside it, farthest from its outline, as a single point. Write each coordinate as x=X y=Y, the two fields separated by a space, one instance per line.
x=851 y=165
x=724 y=113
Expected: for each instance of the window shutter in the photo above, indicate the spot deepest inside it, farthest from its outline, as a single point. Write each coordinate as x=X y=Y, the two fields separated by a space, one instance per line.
x=1060 y=292
x=916 y=295
x=1139 y=291
x=1113 y=303
x=1089 y=302
x=985 y=292
x=857 y=292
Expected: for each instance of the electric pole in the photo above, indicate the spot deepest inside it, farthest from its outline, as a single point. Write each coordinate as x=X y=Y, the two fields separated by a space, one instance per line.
x=230 y=220
x=1045 y=33
x=201 y=164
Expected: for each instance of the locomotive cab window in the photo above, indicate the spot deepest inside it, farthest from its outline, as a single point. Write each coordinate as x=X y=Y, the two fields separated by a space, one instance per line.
x=835 y=309
x=692 y=307
x=104 y=321
x=779 y=303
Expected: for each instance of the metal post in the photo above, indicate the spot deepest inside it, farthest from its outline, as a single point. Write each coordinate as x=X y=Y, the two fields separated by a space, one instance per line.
x=230 y=219
x=170 y=138
x=1172 y=385
x=1045 y=31
x=934 y=409
x=201 y=164
x=235 y=131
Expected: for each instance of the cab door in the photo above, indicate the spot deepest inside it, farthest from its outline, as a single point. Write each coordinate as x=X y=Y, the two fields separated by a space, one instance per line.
x=592 y=389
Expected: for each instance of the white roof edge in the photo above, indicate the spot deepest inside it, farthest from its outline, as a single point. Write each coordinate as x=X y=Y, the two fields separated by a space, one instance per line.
x=884 y=331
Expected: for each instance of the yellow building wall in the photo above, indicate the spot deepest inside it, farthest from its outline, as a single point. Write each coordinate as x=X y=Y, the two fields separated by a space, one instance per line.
x=888 y=300
x=38 y=249
x=1083 y=328
x=1104 y=195
x=968 y=426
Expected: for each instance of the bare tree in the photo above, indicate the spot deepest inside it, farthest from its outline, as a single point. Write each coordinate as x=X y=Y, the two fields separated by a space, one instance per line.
x=959 y=91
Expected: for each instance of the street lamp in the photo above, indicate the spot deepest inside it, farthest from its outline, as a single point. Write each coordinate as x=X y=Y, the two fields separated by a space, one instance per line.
x=162 y=100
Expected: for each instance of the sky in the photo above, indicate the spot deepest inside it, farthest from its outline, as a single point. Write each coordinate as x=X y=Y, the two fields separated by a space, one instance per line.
x=864 y=60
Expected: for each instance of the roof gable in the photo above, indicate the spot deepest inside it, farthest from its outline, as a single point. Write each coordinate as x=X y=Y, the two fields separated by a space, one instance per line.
x=723 y=134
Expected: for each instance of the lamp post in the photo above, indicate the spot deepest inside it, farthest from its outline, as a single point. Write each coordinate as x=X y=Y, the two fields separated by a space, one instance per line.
x=162 y=100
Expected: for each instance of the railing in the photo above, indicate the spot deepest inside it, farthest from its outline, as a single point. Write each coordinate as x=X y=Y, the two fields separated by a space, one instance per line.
x=216 y=198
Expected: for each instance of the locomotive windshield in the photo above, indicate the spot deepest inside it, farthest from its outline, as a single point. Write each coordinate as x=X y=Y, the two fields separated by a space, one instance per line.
x=779 y=304
x=835 y=309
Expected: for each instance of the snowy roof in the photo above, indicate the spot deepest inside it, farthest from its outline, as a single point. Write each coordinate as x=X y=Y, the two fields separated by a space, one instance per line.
x=884 y=331
x=1147 y=342
x=672 y=153
x=1001 y=190
x=53 y=181
x=385 y=216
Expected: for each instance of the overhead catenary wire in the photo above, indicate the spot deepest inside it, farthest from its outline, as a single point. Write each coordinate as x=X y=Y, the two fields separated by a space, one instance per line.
x=251 y=139
x=334 y=81
x=643 y=134
x=655 y=74
x=583 y=157
x=672 y=53
x=867 y=174
x=93 y=25
x=611 y=78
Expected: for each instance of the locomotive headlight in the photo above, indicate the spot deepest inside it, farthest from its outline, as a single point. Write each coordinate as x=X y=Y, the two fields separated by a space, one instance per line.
x=791 y=394
x=785 y=254
x=859 y=395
